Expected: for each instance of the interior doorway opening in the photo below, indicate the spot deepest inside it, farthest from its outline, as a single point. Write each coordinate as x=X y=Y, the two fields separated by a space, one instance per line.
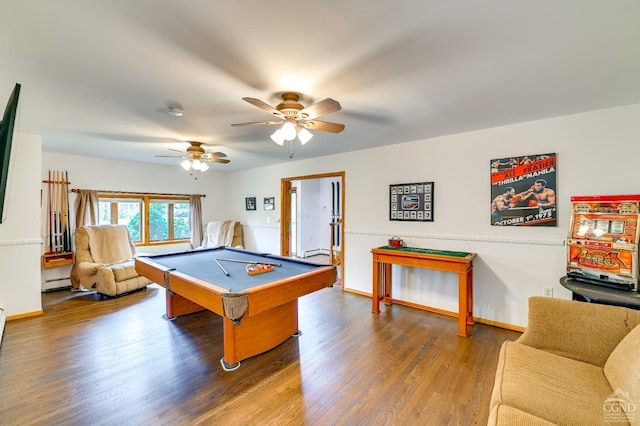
x=293 y=224
x=312 y=218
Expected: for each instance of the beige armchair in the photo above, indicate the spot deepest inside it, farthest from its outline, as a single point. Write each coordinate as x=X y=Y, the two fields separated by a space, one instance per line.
x=104 y=260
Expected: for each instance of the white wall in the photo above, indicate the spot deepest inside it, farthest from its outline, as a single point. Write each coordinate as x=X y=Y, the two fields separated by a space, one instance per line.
x=597 y=153
x=20 y=233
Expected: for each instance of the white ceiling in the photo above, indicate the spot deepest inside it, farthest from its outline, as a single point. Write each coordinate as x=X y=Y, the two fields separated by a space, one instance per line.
x=97 y=75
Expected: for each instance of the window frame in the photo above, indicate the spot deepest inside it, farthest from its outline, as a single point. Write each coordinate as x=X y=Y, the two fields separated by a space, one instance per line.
x=146 y=201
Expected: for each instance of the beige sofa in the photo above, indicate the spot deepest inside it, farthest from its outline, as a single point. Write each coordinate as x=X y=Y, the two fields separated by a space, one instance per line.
x=104 y=260
x=577 y=363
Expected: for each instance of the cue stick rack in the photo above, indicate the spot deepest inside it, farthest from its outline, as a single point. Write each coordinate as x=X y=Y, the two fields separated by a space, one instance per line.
x=58 y=237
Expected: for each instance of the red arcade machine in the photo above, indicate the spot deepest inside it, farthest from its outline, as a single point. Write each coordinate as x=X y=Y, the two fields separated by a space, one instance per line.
x=602 y=249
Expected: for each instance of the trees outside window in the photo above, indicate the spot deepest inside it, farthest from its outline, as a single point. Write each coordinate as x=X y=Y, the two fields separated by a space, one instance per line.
x=168 y=219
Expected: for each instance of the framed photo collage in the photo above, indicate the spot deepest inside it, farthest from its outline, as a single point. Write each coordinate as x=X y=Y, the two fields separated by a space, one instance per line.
x=411 y=202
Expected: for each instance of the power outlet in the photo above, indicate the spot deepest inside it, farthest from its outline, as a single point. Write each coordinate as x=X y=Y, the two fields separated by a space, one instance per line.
x=547 y=291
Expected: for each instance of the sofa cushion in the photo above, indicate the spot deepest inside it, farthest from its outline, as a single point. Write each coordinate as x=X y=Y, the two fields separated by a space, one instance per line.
x=550 y=387
x=586 y=332
x=506 y=415
x=622 y=369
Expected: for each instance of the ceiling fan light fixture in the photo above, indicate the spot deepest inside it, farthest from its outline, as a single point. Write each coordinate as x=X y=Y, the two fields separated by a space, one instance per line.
x=277 y=137
x=204 y=167
x=186 y=164
x=304 y=135
x=196 y=164
x=289 y=130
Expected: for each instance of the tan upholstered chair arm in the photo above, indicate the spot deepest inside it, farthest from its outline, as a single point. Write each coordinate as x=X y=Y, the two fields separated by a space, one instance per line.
x=92 y=273
x=582 y=331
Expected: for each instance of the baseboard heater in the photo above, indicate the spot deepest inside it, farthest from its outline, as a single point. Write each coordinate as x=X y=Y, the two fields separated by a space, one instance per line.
x=55 y=284
x=3 y=319
x=315 y=252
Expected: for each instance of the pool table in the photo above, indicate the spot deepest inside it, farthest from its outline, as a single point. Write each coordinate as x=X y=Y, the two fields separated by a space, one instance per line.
x=259 y=311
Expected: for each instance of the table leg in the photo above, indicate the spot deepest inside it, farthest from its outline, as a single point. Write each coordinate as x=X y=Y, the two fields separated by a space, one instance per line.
x=470 y=296
x=375 y=298
x=386 y=286
x=177 y=305
x=463 y=300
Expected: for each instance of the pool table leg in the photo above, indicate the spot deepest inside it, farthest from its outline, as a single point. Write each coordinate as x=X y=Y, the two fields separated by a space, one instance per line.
x=258 y=333
x=229 y=367
x=177 y=305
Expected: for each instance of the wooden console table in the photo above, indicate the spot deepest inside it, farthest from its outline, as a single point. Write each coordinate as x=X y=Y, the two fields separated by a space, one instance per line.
x=441 y=260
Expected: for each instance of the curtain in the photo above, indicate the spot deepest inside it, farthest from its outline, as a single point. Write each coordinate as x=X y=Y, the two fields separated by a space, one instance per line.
x=196 y=220
x=86 y=207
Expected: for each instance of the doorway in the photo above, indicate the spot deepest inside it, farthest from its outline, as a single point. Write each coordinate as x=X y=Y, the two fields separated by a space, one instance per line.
x=331 y=223
x=293 y=224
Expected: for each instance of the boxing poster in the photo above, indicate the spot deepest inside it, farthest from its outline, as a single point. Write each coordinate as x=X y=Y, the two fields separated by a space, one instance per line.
x=523 y=191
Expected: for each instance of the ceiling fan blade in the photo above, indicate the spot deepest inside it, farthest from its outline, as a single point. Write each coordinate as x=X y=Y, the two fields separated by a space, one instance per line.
x=256 y=123
x=213 y=156
x=218 y=160
x=264 y=106
x=323 y=126
x=318 y=109
x=172 y=156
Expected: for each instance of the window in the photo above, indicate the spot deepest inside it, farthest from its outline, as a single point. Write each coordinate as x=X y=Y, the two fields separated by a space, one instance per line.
x=151 y=220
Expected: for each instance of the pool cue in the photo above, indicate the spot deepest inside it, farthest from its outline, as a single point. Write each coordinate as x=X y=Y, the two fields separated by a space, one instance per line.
x=222 y=267
x=50 y=214
x=66 y=192
x=65 y=245
x=55 y=213
x=250 y=261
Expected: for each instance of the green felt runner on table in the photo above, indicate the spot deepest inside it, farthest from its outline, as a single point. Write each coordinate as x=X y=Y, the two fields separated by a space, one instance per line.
x=428 y=251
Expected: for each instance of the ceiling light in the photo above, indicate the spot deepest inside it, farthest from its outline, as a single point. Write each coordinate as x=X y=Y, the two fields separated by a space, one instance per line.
x=277 y=137
x=289 y=130
x=304 y=135
x=195 y=164
x=175 y=110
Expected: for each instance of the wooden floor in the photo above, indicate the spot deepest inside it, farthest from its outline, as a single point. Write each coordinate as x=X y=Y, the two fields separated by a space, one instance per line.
x=89 y=361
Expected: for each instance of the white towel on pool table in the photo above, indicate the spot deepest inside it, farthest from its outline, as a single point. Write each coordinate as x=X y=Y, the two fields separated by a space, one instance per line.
x=219 y=233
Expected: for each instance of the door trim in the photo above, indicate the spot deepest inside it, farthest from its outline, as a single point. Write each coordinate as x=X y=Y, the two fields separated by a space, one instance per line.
x=285 y=212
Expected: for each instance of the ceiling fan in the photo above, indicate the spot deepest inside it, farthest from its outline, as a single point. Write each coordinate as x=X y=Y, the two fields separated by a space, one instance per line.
x=296 y=119
x=196 y=157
